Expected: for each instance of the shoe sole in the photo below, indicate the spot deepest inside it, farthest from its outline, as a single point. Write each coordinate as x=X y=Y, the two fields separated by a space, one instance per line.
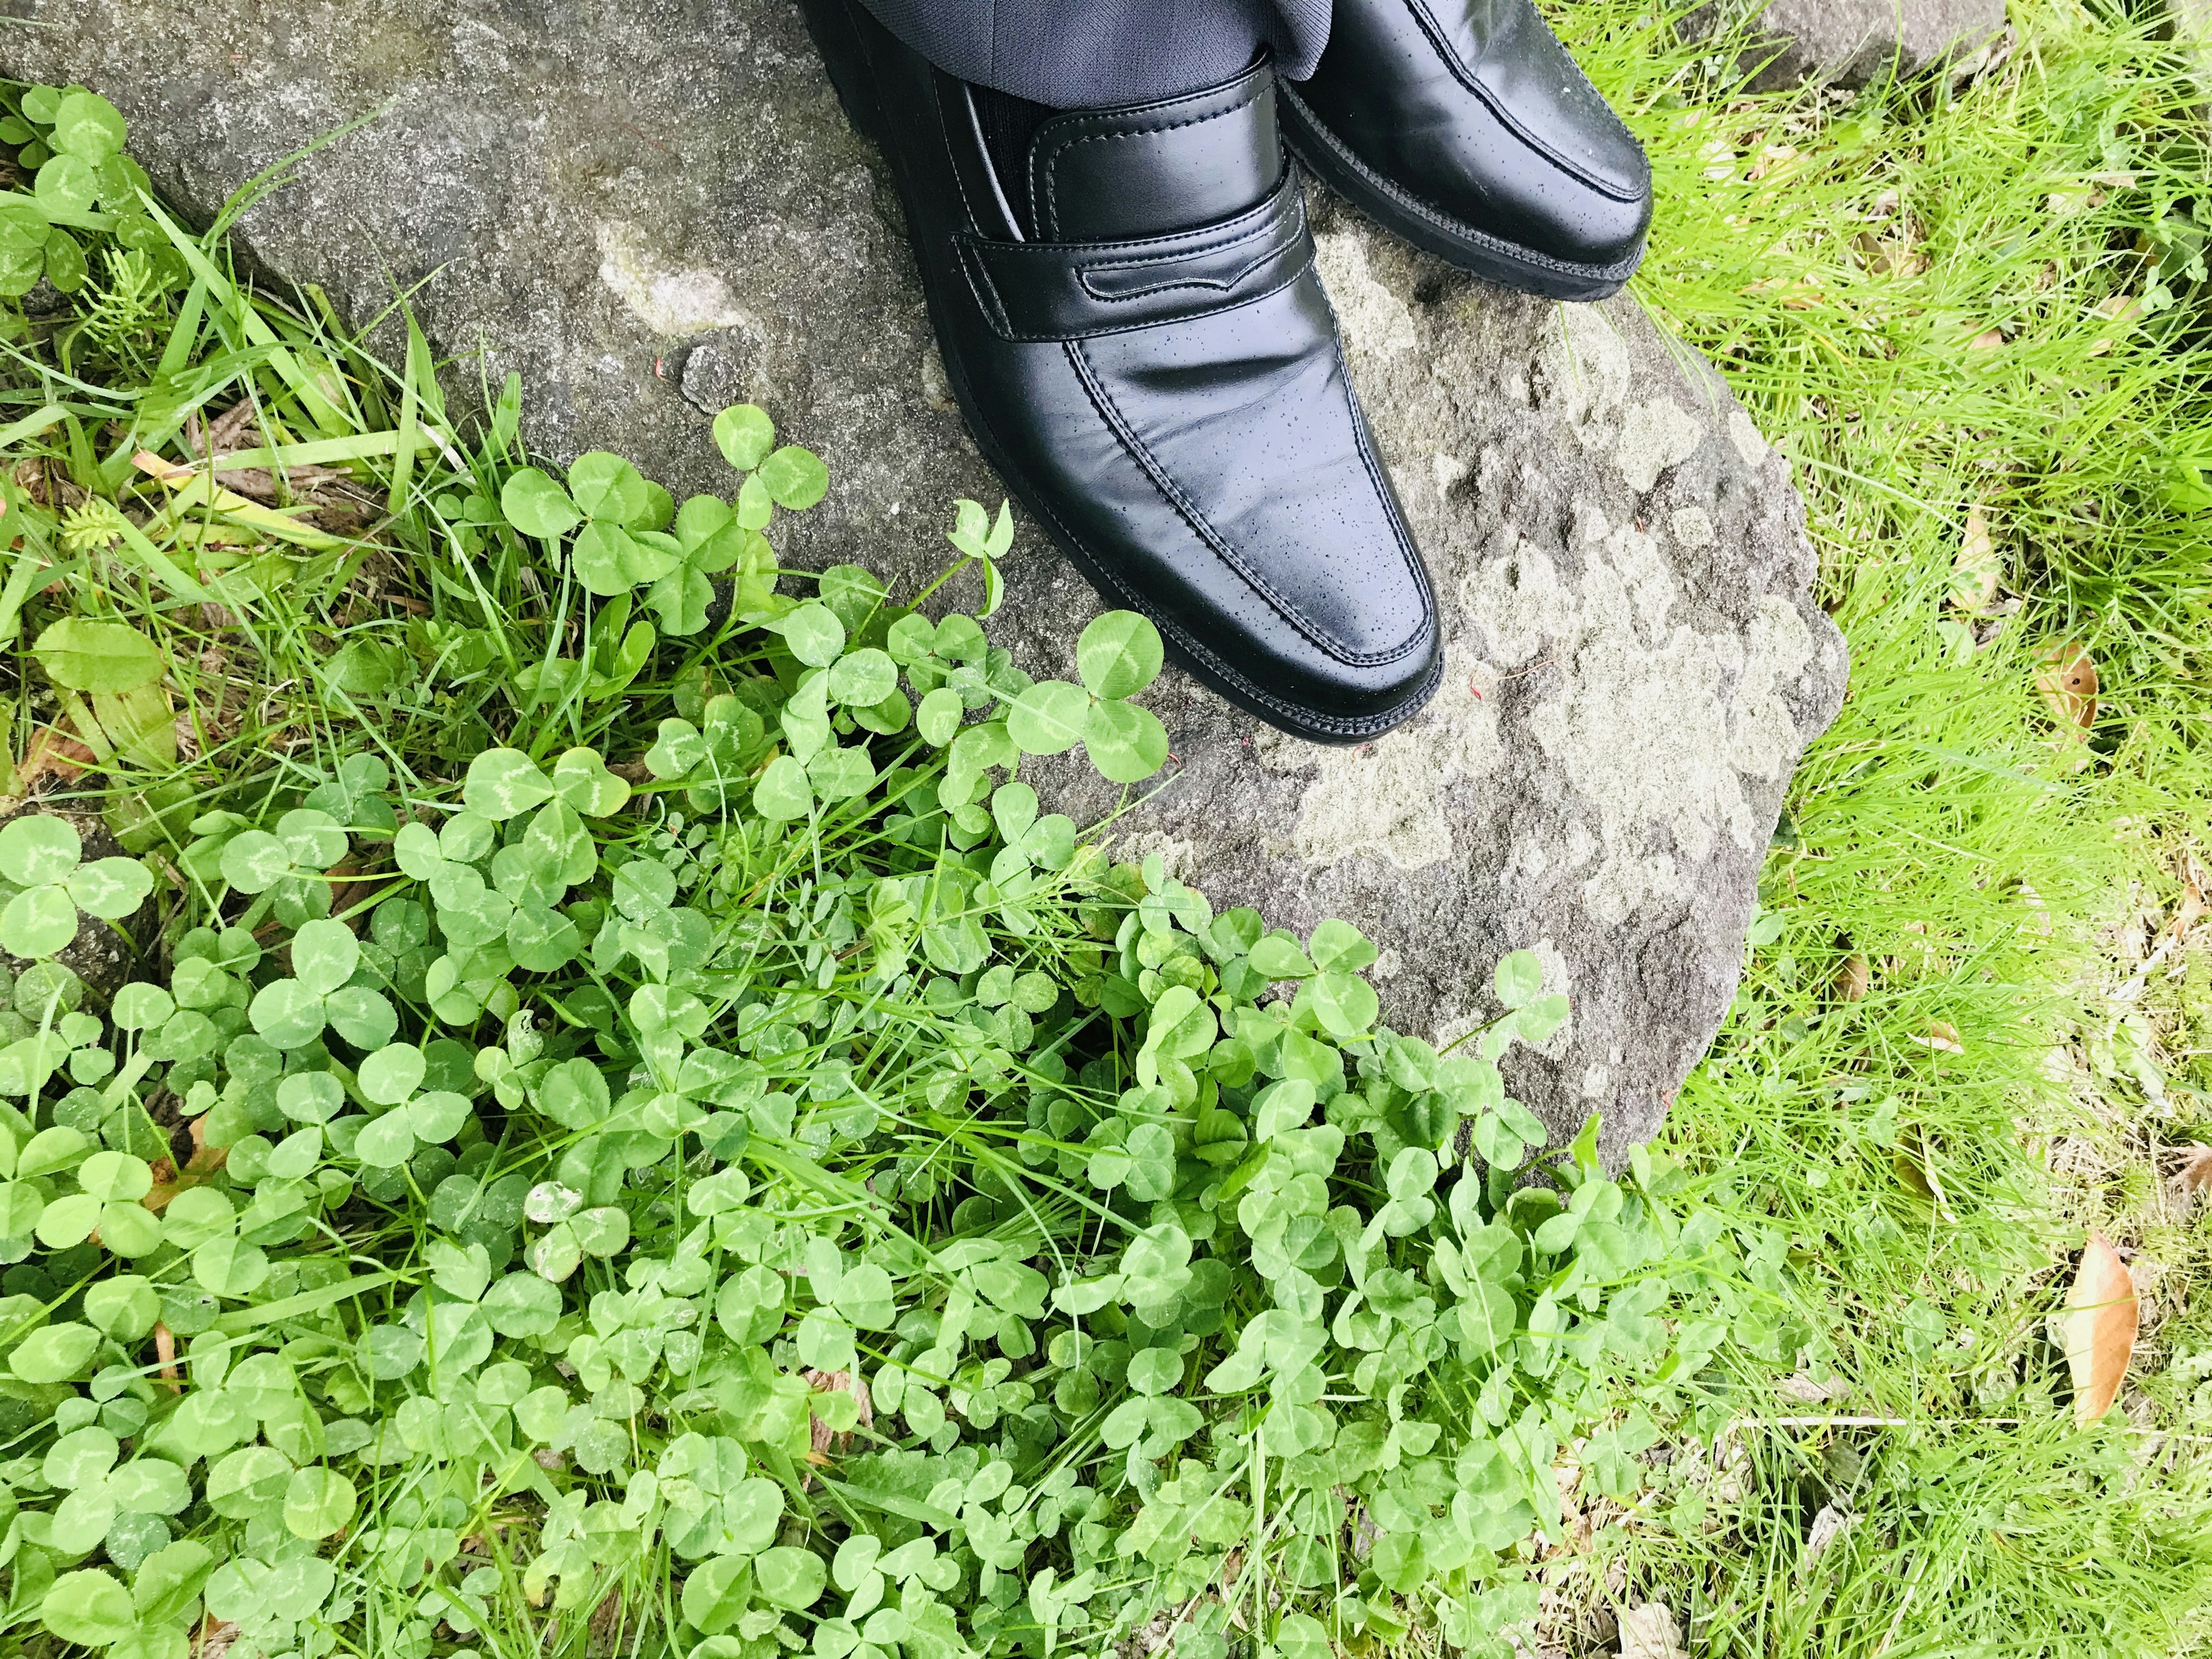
x=1493 y=258
x=850 y=80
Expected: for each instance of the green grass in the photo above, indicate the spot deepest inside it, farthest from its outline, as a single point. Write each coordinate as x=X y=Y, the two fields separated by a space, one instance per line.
x=1950 y=832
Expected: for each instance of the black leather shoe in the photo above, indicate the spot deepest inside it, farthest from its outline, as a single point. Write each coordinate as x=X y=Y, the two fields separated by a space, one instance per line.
x=1133 y=324
x=1463 y=126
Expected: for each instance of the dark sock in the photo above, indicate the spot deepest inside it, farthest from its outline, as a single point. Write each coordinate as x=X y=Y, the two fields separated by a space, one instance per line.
x=1009 y=124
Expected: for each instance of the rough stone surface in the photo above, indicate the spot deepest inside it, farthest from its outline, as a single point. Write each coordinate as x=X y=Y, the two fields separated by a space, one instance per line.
x=653 y=210
x=1850 y=42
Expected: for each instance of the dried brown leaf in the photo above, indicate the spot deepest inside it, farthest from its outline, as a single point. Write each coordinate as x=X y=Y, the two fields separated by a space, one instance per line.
x=1942 y=1037
x=2068 y=682
x=2098 y=1328
x=2194 y=1178
x=1853 y=978
x=1976 y=569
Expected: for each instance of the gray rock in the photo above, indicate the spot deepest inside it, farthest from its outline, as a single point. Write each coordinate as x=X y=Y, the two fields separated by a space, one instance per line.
x=1850 y=42
x=652 y=209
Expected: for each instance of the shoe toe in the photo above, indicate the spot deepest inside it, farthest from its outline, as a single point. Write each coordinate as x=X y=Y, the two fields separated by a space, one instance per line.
x=1262 y=519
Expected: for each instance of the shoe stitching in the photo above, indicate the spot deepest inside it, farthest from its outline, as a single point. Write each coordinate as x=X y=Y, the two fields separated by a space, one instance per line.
x=1425 y=22
x=1111 y=414
x=985 y=290
x=1292 y=223
x=937 y=78
x=1045 y=163
x=1620 y=271
x=1228 y=304
x=988 y=298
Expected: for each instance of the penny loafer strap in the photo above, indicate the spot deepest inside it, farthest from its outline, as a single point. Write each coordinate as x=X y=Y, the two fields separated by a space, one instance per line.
x=1040 y=291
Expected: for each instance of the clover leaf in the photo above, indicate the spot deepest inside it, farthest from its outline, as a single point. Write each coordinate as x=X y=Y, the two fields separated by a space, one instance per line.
x=292 y=1012
x=985 y=542
x=39 y=855
x=1118 y=655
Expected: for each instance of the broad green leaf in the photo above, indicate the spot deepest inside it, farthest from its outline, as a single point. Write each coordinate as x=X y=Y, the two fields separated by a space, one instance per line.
x=38 y=921
x=714 y=1594
x=364 y=1018
x=88 y=125
x=68 y=1221
x=248 y=1481
x=114 y=1177
x=602 y=1232
x=678 y=749
x=1126 y=743
x=864 y=1296
x=437 y=1116
x=386 y=1142
x=124 y=1306
x=317 y=1502
x=315 y=840
x=1520 y=976
x=98 y=656
x=1050 y=717
x=573 y=1095
x=168 y=1581
x=745 y=434
x=1150 y=1151
x=609 y=560
x=750 y=1510
x=111 y=888
x=1340 y=947
x=541 y=938
x=1155 y=1371
x=938 y=718
x=1119 y=654
x=54 y=1354
x=794 y=477
x=840 y=773
x=88 y=1606
x=309 y=1097
x=66 y=185
x=814 y=633
x=392 y=1074
x=790 y=1577
x=323 y=956
x=229 y=1267
x=1301 y=1636
x=80 y=1457
x=504 y=783
x=535 y=505
x=196 y=1215
x=254 y=861
x=37 y=848
x=582 y=779
x=783 y=793
x=1276 y=957
x=522 y=1305
x=863 y=679
x=608 y=486
x=1345 y=1005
